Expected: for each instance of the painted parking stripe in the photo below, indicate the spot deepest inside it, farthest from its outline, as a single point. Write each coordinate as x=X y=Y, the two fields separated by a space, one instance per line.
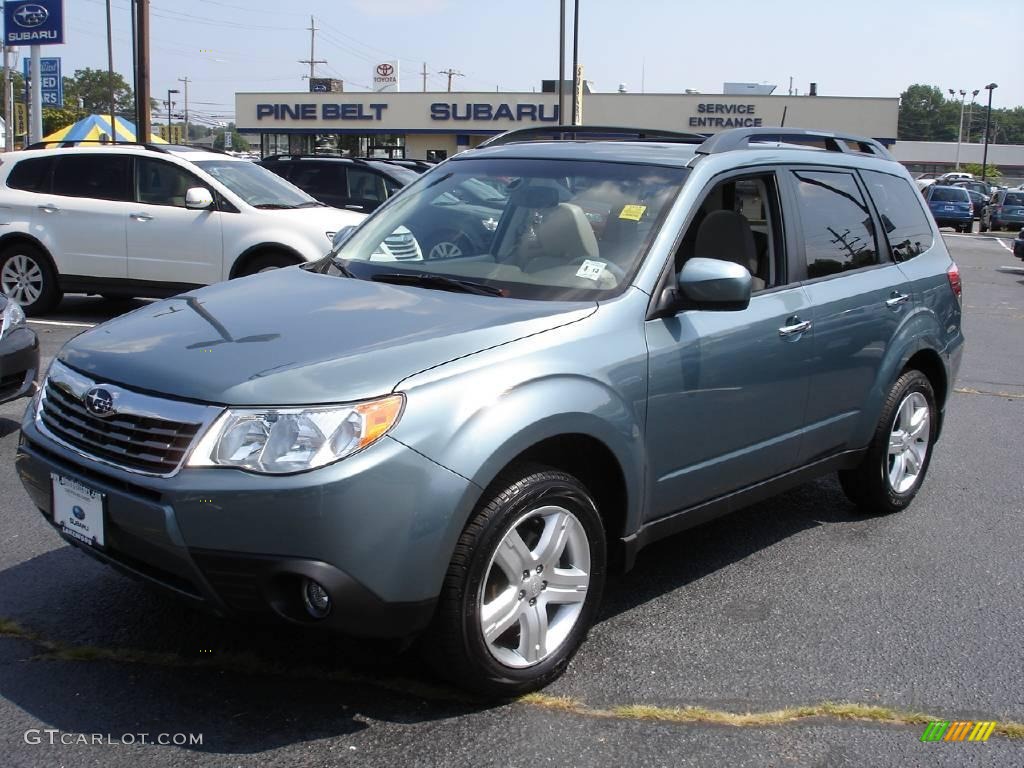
x=63 y=323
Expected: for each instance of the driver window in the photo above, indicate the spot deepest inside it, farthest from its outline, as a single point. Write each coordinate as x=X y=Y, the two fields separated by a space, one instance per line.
x=160 y=183
x=737 y=222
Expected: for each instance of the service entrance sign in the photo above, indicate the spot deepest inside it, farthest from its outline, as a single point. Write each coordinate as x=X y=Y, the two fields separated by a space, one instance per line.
x=39 y=22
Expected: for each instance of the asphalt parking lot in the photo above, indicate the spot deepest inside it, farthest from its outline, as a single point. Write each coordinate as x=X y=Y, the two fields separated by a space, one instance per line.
x=796 y=602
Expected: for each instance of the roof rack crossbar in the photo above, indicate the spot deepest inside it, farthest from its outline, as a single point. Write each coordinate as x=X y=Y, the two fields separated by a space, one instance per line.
x=583 y=132
x=741 y=138
x=65 y=143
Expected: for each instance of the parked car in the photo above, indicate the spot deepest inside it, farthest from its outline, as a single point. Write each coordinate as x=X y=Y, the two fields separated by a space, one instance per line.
x=955 y=176
x=462 y=449
x=1018 y=245
x=1004 y=211
x=19 y=353
x=950 y=206
x=147 y=220
x=978 y=202
x=982 y=187
x=364 y=185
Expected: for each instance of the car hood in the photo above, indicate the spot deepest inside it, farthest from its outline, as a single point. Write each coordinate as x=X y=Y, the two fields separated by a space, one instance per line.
x=294 y=336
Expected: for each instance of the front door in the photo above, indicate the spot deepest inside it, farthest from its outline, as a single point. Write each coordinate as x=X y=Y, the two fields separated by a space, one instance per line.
x=728 y=389
x=167 y=242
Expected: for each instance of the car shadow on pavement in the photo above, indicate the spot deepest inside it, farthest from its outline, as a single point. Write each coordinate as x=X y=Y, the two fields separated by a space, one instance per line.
x=105 y=654
x=113 y=656
x=8 y=426
x=679 y=560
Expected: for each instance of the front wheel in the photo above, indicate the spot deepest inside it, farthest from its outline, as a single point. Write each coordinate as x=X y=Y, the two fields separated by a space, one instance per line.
x=523 y=586
x=267 y=262
x=894 y=467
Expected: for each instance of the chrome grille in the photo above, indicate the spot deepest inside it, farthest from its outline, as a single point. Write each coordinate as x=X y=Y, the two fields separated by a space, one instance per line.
x=403 y=246
x=137 y=436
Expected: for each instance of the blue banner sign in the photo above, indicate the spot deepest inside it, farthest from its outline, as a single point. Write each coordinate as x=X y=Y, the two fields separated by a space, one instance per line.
x=38 y=22
x=50 y=80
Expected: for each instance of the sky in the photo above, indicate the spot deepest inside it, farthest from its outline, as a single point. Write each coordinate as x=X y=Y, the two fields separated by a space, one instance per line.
x=864 y=48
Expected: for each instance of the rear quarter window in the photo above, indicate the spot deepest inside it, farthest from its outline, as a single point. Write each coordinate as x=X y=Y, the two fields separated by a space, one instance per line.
x=903 y=218
x=31 y=175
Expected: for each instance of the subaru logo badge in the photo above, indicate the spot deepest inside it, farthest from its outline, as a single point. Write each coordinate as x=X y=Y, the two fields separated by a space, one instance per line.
x=99 y=402
x=31 y=15
x=78 y=512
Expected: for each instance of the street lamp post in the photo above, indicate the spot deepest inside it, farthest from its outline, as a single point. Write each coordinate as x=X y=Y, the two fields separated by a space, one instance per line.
x=169 y=103
x=970 y=114
x=988 y=119
x=960 y=133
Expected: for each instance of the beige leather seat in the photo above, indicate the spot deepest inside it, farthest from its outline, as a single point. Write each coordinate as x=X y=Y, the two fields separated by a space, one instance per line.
x=726 y=235
x=565 y=237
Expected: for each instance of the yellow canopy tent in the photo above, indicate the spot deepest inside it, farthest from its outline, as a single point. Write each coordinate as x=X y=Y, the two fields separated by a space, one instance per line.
x=95 y=128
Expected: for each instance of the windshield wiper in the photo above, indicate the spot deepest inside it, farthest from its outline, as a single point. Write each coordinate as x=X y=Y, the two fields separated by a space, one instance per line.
x=341 y=266
x=311 y=204
x=275 y=206
x=438 y=281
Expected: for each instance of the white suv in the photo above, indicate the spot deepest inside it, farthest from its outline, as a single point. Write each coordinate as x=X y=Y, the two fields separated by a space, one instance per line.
x=147 y=220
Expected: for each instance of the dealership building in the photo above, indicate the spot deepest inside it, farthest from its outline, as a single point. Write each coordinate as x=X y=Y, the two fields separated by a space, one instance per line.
x=437 y=125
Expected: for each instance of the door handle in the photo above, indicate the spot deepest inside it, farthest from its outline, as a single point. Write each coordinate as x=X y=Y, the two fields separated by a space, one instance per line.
x=795 y=329
x=897 y=299
x=47 y=208
x=354 y=207
x=141 y=216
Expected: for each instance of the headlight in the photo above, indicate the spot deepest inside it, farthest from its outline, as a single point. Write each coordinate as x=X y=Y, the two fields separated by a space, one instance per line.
x=281 y=440
x=13 y=316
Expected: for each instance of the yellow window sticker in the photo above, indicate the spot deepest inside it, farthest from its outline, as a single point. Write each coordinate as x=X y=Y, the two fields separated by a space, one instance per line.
x=632 y=212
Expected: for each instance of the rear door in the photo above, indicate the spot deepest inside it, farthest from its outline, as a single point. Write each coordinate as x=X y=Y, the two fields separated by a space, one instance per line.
x=859 y=296
x=167 y=242
x=85 y=214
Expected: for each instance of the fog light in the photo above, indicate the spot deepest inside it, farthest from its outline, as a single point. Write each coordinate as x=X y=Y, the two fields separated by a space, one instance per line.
x=316 y=599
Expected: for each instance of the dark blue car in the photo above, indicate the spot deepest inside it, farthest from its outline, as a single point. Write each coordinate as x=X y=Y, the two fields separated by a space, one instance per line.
x=950 y=207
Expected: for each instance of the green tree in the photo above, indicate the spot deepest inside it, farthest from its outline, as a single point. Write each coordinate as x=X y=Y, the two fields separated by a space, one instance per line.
x=926 y=115
x=237 y=142
x=89 y=90
x=991 y=172
x=55 y=118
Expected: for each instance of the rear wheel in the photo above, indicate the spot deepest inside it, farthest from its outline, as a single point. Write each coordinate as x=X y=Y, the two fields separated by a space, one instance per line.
x=892 y=470
x=27 y=278
x=265 y=262
x=523 y=587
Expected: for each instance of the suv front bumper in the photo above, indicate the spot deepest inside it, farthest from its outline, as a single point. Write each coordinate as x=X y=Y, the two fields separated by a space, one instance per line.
x=376 y=530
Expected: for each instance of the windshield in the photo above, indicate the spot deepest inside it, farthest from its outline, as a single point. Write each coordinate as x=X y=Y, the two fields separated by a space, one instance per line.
x=551 y=229
x=950 y=195
x=256 y=185
x=1014 y=199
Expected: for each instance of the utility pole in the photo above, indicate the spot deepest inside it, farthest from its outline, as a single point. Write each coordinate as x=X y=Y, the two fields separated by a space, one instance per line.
x=110 y=75
x=970 y=114
x=8 y=111
x=960 y=133
x=561 y=64
x=575 y=61
x=144 y=129
x=170 y=105
x=451 y=73
x=424 y=74
x=186 y=81
x=312 y=60
x=988 y=119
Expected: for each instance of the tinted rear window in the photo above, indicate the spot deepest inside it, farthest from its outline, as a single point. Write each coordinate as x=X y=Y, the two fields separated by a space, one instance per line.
x=903 y=217
x=101 y=177
x=836 y=222
x=1014 y=199
x=32 y=175
x=950 y=195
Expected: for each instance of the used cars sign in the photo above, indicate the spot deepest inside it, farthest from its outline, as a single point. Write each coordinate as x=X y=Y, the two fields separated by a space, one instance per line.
x=40 y=22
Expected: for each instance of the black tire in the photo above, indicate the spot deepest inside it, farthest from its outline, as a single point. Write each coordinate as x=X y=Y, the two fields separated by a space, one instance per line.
x=868 y=485
x=267 y=261
x=455 y=645
x=49 y=293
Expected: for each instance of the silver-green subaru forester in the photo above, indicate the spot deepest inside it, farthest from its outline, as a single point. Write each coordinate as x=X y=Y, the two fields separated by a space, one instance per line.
x=637 y=332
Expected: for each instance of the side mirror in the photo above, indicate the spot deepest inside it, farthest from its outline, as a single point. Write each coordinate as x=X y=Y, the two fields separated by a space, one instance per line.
x=715 y=284
x=341 y=236
x=198 y=198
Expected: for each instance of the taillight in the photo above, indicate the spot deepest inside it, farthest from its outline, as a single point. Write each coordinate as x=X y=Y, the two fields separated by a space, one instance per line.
x=953 y=273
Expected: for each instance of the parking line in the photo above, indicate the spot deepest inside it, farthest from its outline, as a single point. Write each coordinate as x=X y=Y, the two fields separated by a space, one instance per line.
x=64 y=323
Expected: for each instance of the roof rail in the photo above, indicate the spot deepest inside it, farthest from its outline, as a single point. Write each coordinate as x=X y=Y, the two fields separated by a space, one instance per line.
x=593 y=132
x=65 y=143
x=741 y=138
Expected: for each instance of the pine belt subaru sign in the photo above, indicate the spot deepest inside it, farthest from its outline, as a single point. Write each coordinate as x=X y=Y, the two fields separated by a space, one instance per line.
x=38 y=22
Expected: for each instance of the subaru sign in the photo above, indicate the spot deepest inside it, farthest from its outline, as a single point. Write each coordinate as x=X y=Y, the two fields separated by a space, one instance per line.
x=39 y=22
x=50 y=81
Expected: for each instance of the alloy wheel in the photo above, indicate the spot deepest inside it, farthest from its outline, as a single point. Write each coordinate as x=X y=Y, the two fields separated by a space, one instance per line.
x=908 y=442
x=22 y=279
x=535 y=587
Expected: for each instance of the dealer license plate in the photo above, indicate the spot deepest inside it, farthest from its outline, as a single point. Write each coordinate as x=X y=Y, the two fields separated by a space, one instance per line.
x=78 y=510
